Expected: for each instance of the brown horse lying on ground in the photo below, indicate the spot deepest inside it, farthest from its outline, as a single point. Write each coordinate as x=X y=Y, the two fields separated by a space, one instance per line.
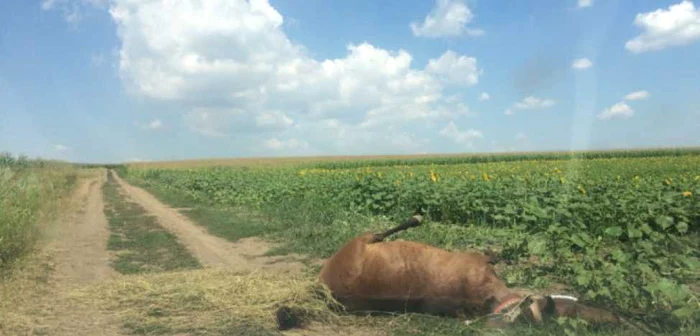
x=368 y=274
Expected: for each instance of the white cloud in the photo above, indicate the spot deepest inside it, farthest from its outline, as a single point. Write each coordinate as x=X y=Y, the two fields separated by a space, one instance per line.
x=585 y=3
x=274 y=119
x=73 y=10
x=530 y=103
x=155 y=124
x=581 y=63
x=484 y=96
x=664 y=28
x=360 y=139
x=151 y=125
x=61 y=148
x=219 y=122
x=461 y=137
x=453 y=68
x=51 y=4
x=407 y=142
x=209 y=121
x=619 y=110
x=48 y=4
x=447 y=18
x=289 y=144
x=231 y=65
x=637 y=95
x=136 y=159
x=533 y=103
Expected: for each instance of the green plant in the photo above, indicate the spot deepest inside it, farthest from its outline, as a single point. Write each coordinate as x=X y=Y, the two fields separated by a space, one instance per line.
x=620 y=230
x=30 y=191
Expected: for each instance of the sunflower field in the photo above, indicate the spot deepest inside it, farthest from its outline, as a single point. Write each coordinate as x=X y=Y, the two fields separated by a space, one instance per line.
x=620 y=231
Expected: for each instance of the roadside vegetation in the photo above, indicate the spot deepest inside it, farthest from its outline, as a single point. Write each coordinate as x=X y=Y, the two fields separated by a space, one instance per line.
x=140 y=244
x=620 y=231
x=31 y=192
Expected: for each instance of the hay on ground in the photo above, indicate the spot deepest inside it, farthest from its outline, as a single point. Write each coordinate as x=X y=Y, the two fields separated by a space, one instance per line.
x=211 y=299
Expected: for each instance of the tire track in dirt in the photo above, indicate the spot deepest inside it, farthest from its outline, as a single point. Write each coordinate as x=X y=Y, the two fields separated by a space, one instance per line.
x=212 y=251
x=78 y=251
x=81 y=256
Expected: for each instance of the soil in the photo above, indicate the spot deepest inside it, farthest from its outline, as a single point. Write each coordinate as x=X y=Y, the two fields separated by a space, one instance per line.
x=244 y=255
x=81 y=254
x=74 y=255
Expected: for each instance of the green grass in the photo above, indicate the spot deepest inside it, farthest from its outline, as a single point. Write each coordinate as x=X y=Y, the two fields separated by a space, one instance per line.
x=229 y=223
x=318 y=234
x=420 y=325
x=619 y=231
x=140 y=243
x=31 y=192
x=300 y=230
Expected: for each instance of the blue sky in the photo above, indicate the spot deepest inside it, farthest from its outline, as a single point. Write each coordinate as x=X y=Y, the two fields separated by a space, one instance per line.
x=120 y=80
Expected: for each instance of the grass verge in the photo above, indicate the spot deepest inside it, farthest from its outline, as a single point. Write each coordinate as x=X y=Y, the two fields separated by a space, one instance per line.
x=140 y=243
x=30 y=193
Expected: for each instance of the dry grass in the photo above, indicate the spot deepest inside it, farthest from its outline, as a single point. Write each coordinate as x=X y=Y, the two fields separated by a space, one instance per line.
x=32 y=303
x=23 y=289
x=194 y=302
x=211 y=301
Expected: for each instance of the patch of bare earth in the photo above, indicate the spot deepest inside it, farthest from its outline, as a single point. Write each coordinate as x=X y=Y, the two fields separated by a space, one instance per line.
x=244 y=255
x=74 y=255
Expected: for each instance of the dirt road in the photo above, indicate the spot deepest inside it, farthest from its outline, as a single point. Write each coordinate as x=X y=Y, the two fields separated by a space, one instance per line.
x=81 y=258
x=243 y=255
x=73 y=255
x=81 y=255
